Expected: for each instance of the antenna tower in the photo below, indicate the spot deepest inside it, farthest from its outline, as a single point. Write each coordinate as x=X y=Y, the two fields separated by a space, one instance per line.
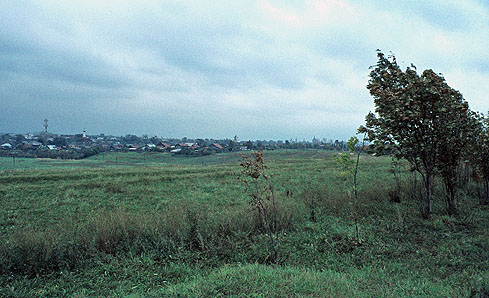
x=46 y=125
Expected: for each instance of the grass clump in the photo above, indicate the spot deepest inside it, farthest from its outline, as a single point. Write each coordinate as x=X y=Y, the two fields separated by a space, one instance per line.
x=256 y=280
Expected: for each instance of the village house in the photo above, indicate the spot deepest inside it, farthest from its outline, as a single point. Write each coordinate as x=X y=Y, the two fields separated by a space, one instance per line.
x=162 y=146
x=217 y=147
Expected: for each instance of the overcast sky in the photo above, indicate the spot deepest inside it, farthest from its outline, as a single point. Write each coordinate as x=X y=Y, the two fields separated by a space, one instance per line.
x=257 y=69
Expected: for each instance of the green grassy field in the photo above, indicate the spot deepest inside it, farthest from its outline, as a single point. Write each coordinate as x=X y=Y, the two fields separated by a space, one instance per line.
x=153 y=225
x=131 y=159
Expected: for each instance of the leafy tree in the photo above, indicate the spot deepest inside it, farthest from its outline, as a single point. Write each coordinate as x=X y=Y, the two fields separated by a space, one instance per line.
x=232 y=145
x=249 y=145
x=460 y=128
x=155 y=140
x=59 y=141
x=201 y=142
x=206 y=151
x=131 y=139
x=19 y=138
x=478 y=155
x=419 y=118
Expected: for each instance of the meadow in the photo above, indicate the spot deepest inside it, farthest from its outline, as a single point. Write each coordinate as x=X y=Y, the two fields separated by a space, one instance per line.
x=155 y=225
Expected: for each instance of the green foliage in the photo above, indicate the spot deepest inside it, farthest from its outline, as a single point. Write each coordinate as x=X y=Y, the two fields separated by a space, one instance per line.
x=418 y=118
x=352 y=142
x=346 y=165
x=478 y=156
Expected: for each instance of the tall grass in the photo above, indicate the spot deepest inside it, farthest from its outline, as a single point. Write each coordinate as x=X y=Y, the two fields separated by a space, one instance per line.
x=187 y=226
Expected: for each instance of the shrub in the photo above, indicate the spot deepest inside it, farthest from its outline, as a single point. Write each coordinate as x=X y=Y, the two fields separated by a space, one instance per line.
x=260 y=189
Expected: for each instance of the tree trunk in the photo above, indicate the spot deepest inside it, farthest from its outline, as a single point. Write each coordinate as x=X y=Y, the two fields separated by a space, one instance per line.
x=451 y=198
x=480 y=193
x=272 y=247
x=426 y=200
x=485 y=197
x=415 y=187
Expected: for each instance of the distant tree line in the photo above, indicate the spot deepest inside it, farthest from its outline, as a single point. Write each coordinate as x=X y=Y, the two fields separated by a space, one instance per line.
x=55 y=154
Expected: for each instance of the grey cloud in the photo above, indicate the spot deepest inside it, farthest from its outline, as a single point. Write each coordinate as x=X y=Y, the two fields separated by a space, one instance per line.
x=77 y=68
x=68 y=64
x=345 y=46
x=205 y=47
x=36 y=89
x=197 y=69
x=439 y=13
x=479 y=66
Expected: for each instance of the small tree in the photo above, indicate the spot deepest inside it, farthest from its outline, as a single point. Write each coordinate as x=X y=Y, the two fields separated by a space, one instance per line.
x=259 y=187
x=478 y=154
x=395 y=195
x=459 y=131
x=350 y=170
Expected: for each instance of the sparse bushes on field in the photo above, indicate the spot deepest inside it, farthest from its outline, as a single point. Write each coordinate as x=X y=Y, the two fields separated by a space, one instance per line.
x=234 y=233
x=208 y=225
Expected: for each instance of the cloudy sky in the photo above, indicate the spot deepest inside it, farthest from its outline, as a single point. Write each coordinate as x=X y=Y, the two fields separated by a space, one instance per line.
x=259 y=69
